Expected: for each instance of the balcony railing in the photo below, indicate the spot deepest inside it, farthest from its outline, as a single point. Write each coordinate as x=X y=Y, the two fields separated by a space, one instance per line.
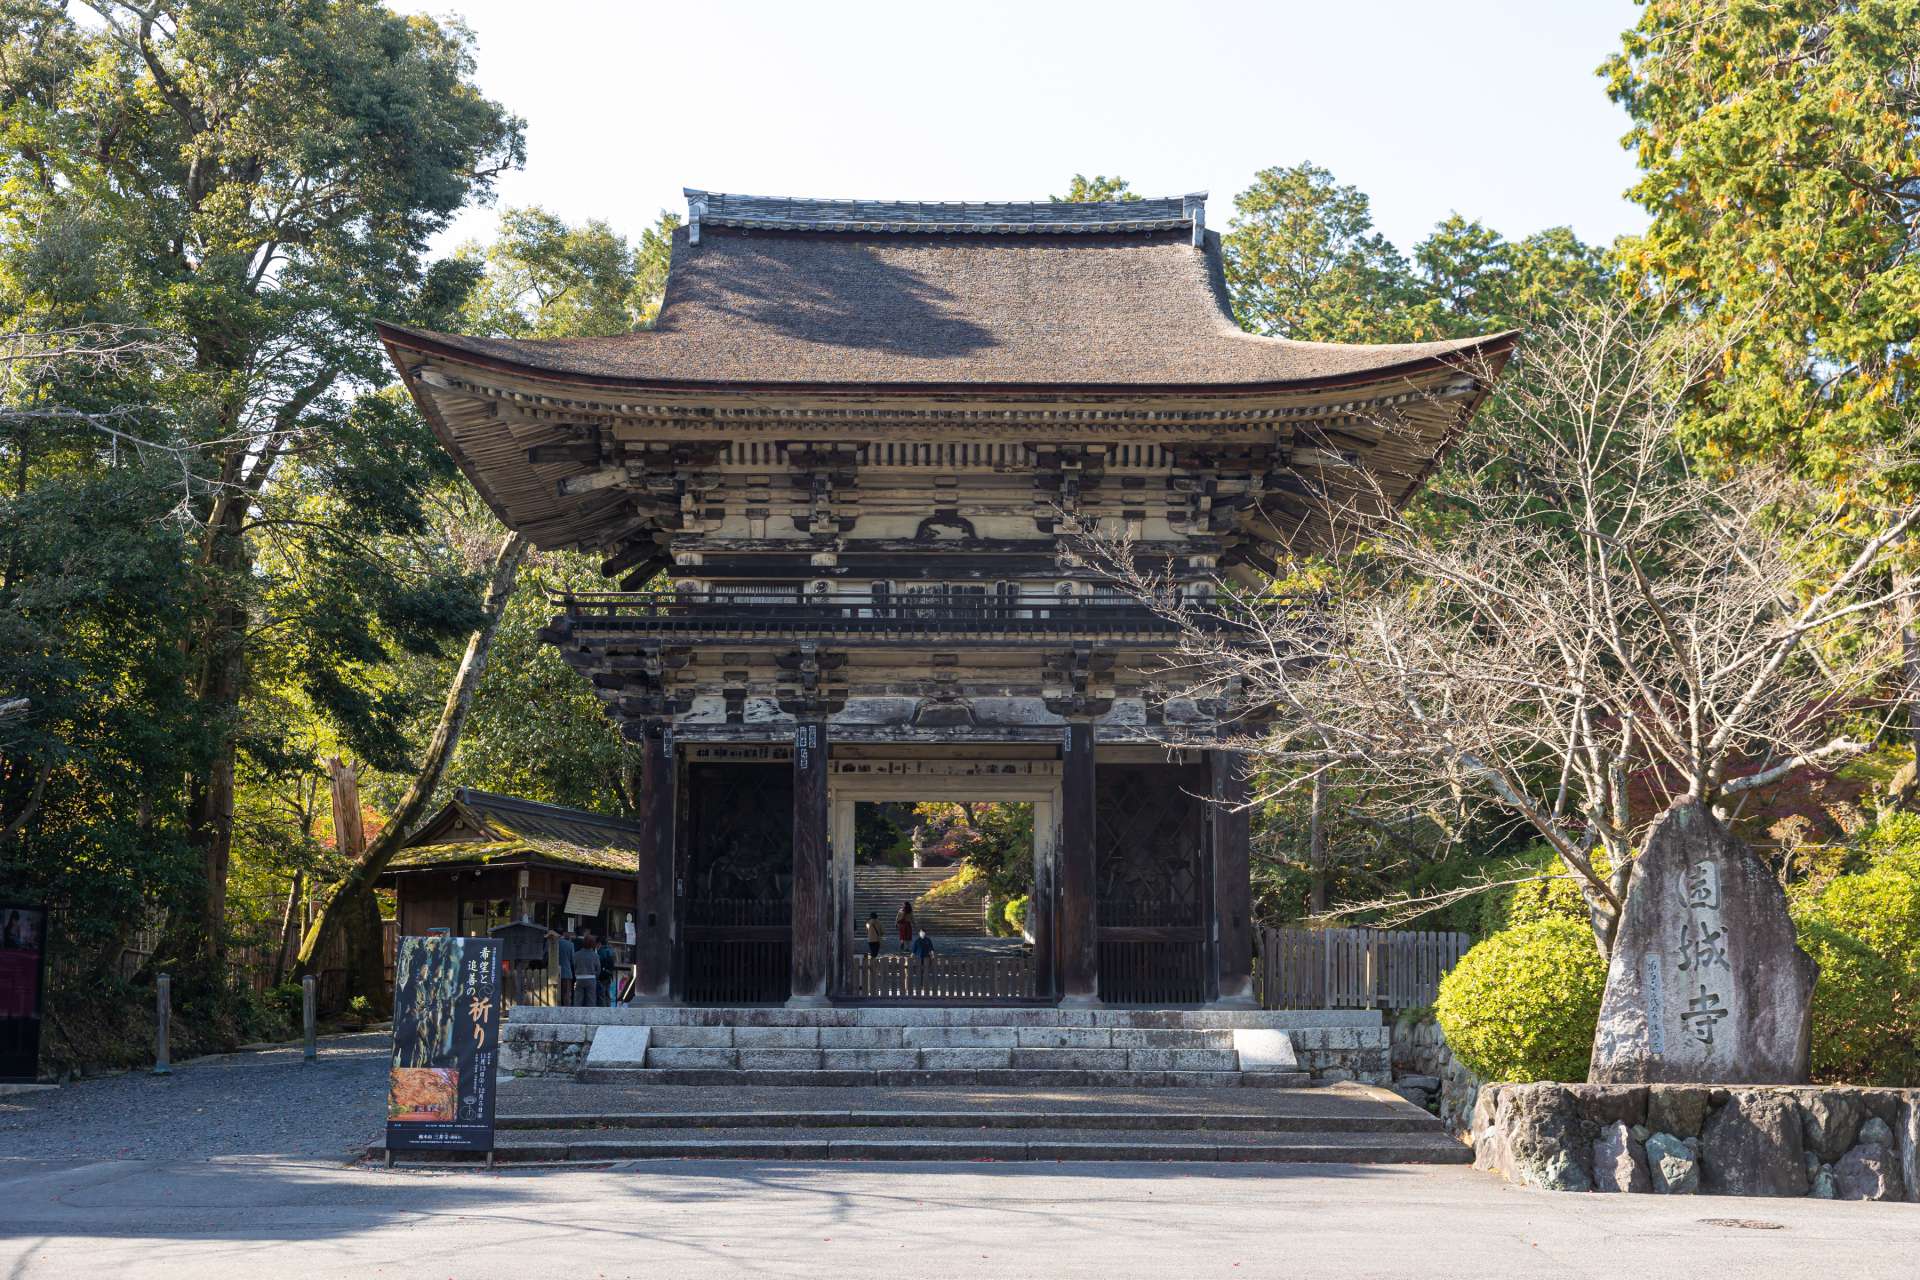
x=698 y=613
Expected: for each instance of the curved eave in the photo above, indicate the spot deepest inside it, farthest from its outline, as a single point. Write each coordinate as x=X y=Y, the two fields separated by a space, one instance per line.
x=1492 y=348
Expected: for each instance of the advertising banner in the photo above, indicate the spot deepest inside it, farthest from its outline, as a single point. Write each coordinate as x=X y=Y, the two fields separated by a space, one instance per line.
x=446 y=1044
x=23 y=981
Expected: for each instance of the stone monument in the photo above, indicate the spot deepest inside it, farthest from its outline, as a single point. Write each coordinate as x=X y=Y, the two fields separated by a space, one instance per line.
x=1707 y=983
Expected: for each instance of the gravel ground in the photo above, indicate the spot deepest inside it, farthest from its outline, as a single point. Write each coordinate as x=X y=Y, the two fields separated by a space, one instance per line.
x=262 y=1103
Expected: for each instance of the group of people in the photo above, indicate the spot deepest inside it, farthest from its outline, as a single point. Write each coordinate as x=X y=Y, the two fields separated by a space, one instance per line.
x=912 y=940
x=586 y=968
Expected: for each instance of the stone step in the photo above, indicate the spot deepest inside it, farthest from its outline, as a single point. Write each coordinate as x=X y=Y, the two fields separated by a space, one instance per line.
x=1007 y=1076
x=975 y=1058
x=918 y=1142
x=897 y=1037
x=1305 y=1120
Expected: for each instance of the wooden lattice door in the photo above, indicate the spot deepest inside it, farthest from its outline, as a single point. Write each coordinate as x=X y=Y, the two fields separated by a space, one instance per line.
x=736 y=884
x=1155 y=893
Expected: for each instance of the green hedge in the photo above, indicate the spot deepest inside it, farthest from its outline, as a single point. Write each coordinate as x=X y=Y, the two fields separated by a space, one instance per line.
x=1864 y=930
x=1522 y=1005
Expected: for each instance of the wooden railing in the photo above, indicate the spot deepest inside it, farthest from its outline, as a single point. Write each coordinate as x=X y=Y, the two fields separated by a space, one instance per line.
x=956 y=976
x=1353 y=968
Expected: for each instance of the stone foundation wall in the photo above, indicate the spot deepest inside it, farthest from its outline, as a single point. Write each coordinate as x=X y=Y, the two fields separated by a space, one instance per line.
x=1828 y=1141
x=1333 y=1054
x=1426 y=1073
x=541 y=1041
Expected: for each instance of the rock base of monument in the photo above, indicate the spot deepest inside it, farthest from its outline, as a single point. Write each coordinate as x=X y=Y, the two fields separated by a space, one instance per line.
x=1829 y=1141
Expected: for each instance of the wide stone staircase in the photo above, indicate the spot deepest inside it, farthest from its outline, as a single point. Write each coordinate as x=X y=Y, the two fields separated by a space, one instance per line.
x=955 y=1083
x=548 y=1122
x=881 y=890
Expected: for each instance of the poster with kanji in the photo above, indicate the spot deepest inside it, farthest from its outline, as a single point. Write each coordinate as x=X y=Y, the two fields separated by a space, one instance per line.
x=446 y=1044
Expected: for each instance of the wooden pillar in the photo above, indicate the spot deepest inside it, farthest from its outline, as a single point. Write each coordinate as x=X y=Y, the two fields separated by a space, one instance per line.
x=1076 y=926
x=812 y=866
x=653 y=896
x=1232 y=879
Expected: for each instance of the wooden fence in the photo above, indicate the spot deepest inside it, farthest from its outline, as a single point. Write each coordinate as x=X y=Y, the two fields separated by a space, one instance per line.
x=1353 y=968
x=957 y=976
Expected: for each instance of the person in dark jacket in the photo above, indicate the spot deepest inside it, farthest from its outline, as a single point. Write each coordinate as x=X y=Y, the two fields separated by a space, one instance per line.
x=563 y=948
x=922 y=949
x=607 y=974
x=586 y=971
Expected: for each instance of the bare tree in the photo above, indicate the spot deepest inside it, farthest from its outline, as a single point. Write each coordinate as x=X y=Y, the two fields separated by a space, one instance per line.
x=1581 y=626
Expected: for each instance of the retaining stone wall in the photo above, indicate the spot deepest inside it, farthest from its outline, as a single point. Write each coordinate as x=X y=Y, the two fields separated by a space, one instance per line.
x=1828 y=1141
x=1426 y=1073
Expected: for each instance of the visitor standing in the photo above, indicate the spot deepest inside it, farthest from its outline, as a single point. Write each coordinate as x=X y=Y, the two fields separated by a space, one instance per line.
x=873 y=934
x=922 y=952
x=607 y=974
x=903 y=924
x=586 y=971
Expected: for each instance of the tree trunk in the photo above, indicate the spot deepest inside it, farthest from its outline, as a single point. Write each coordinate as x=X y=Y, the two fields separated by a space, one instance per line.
x=1317 y=848
x=221 y=654
x=365 y=969
x=446 y=736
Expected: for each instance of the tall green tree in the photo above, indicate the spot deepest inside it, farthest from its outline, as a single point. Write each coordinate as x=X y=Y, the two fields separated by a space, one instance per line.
x=1779 y=145
x=1304 y=261
x=259 y=179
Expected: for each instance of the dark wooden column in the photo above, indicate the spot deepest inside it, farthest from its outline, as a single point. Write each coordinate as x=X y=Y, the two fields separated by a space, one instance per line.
x=812 y=865
x=653 y=926
x=1076 y=926
x=1232 y=879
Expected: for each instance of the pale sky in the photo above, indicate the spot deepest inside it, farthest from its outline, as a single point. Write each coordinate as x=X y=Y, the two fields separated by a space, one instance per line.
x=1487 y=107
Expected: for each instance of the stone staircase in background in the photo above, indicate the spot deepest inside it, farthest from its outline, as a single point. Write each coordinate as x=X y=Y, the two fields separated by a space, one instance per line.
x=881 y=889
x=998 y=1046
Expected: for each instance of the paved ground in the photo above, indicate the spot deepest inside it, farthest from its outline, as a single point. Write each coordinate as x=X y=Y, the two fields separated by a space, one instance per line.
x=268 y=1102
x=232 y=1169
x=252 y=1219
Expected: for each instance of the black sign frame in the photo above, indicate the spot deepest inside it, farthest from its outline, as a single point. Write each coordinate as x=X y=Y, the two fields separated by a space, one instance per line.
x=446 y=1044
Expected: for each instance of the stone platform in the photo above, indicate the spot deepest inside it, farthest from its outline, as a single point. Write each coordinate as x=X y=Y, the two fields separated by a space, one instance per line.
x=928 y=1046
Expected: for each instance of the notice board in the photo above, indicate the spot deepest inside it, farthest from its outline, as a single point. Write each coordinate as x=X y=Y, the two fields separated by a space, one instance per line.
x=446 y=1044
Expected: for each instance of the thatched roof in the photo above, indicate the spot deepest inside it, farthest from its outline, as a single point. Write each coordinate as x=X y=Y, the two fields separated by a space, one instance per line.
x=481 y=828
x=780 y=292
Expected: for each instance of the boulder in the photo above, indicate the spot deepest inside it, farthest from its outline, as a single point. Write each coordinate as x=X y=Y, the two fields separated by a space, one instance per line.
x=1673 y=1165
x=1868 y=1172
x=1602 y=1105
x=1820 y=1186
x=1830 y=1122
x=1677 y=1109
x=1620 y=1161
x=1706 y=984
x=1876 y=1132
x=1541 y=1142
x=1751 y=1146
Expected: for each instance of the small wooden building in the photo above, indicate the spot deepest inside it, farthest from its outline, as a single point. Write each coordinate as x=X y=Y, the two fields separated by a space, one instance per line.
x=864 y=440
x=484 y=859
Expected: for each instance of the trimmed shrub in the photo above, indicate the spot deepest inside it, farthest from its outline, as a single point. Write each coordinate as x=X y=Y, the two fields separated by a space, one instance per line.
x=1522 y=1005
x=1016 y=913
x=1857 y=1036
x=1864 y=930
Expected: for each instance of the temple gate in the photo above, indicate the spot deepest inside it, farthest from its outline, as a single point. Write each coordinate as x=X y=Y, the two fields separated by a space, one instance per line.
x=862 y=444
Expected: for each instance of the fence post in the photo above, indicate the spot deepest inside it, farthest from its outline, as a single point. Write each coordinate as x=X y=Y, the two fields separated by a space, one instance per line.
x=306 y=1017
x=162 y=1020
